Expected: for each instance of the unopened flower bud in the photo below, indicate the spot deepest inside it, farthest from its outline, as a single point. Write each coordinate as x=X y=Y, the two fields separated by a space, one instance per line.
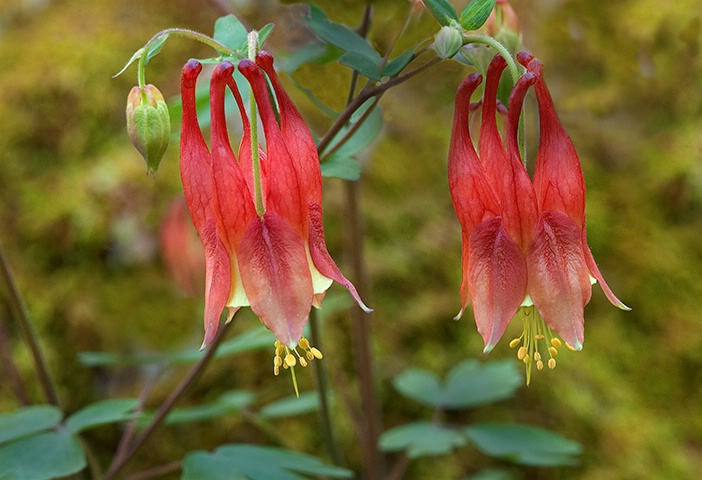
x=148 y=124
x=448 y=41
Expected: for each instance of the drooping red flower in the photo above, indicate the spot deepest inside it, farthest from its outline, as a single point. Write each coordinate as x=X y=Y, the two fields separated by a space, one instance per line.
x=524 y=242
x=266 y=212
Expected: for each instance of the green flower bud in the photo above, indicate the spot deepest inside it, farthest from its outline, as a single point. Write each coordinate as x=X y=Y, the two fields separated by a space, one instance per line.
x=148 y=124
x=448 y=41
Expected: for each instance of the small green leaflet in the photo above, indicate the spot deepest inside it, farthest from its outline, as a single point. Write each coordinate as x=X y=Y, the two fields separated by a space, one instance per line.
x=476 y=14
x=251 y=462
x=442 y=11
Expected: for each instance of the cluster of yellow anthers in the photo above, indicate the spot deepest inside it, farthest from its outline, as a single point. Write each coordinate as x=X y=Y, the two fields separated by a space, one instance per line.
x=285 y=358
x=535 y=330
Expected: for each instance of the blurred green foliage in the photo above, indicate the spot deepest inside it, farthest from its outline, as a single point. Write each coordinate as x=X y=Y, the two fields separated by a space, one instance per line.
x=80 y=222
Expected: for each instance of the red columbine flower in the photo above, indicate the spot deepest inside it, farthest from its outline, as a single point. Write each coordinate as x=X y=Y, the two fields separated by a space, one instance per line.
x=267 y=247
x=524 y=243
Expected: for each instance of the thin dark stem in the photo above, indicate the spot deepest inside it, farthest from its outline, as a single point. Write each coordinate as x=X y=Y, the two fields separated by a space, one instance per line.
x=351 y=131
x=120 y=461
x=398 y=469
x=156 y=472
x=132 y=425
x=9 y=368
x=365 y=94
x=19 y=310
x=320 y=371
x=361 y=336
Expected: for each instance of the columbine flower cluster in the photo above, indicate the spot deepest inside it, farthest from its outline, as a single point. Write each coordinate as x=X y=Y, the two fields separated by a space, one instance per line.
x=525 y=251
x=258 y=212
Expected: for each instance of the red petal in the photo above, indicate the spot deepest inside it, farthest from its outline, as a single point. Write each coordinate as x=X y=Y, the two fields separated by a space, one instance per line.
x=595 y=272
x=217 y=280
x=233 y=204
x=321 y=258
x=284 y=196
x=465 y=287
x=559 y=280
x=276 y=276
x=497 y=279
x=471 y=193
x=558 y=179
x=506 y=173
x=196 y=175
x=298 y=138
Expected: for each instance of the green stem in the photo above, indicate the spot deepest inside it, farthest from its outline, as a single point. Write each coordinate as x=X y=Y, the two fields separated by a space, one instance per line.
x=491 y=42
x=180 y=32
x=19 y=309
x=253 y=115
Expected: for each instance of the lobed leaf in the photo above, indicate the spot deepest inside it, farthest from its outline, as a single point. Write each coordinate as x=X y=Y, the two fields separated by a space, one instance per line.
x=524 y=444
x=421 y=439
x=102 y=413
x=28 y=420
x=251 y=462
x=289 y=406
x=471 y=383
x=42 y=457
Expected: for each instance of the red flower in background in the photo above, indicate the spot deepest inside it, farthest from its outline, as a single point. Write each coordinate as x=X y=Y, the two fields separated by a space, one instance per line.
x=261 y=226
x=524 y=243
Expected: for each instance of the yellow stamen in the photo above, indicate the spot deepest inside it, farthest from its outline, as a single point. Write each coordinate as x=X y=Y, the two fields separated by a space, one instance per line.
x=535 y=331
x=289 y=358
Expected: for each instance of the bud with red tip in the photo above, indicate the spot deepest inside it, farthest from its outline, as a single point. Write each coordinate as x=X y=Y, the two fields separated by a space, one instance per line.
x=148 y=124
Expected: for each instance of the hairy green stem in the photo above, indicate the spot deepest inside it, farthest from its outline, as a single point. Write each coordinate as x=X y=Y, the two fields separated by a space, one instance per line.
x=181 y=32
x=19 y=310
x=491 y=42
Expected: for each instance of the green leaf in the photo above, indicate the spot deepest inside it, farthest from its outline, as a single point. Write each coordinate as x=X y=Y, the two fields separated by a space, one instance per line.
x=292 y=405
x=345 y=168
x=42 y=457
x=421 y=439
x=310 y=53
x=233 y=401
x=492 y=474
x=442 y=10
x=28 y=420
x=254 y=339
x=359 y=51
x=231 y=33
x=263 y=33
x=524 y=444
x=364 y=65
x=155 y=48
x=137 y=55
x=471 y=383
x=364 y=134
x=420 y=385
x=252 y=462
x=468 y=384
x=476 y=14
x=102 y=413
x=397 y=64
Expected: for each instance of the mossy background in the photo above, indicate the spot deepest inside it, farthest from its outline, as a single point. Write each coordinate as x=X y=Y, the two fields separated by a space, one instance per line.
x=80 y=223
